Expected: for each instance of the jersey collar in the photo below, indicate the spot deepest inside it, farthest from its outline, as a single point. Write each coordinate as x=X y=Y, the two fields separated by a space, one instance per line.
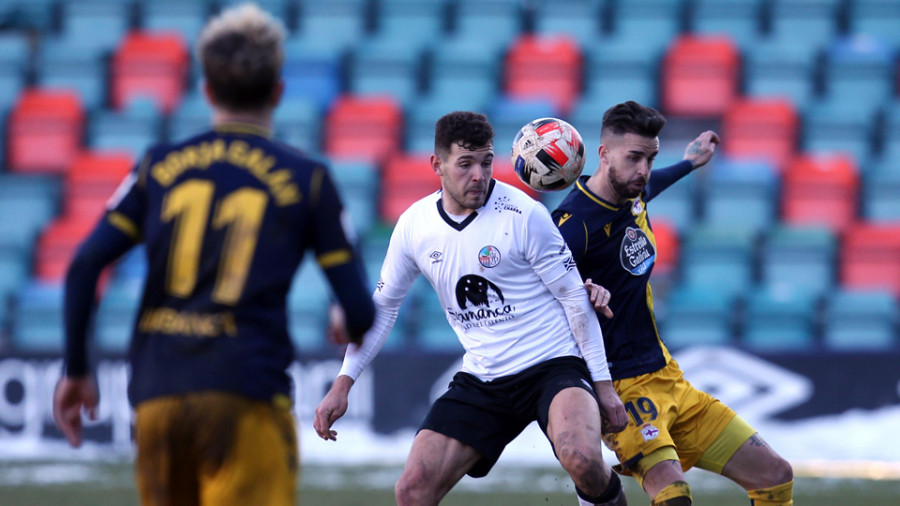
x=470 y=218
x=591 y=195
x=235 y=127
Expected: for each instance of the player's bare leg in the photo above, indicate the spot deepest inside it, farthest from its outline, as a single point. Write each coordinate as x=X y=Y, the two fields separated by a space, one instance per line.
x=434 y=465
x=767 y=477
x=665 y=485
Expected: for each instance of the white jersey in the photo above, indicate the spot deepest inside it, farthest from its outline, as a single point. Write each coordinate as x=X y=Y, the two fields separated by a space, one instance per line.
x=493 y=273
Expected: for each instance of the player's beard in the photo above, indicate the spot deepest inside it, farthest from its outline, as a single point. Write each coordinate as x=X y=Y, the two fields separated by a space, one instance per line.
x=628 y=189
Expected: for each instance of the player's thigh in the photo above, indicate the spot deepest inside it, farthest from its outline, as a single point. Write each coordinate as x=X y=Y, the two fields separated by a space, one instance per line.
x=756 y=465
x=259 y=465
x=165 y=465
x=707 y=431
x=436 y=462
x=573 y=421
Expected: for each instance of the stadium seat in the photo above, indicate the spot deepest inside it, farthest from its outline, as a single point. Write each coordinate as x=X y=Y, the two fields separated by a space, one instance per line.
x=298 y=122
x=890 y=142
x=45 y=130
x=860 y=320
x=311 y=72
x=193 y=116
x=386 y=65
x=802 y=257
x=15 y=267
x=616 y=69
x=97 y=26
x=34 y=200
x=761 y=128
x=719 y=258
x=57 y=245
x=508 y=115
x=62 y=65
x=879 y=198
x=151 y=64
x=405 y=179
x=504 y=171
x=578 y=19
x=116 y=314
x=778 y=319
x=132 y=129
x=773 y=69
x=870 y=257
x=90 y=182
x=365 y=128
x=742 y=193
x=668 y=255
x=740 y=20
x=432 y=331
x=358 y=185
x=185 y=18
x=839 y=125
x=37 y=325
x=820 y=190
x=700 y=76
x=336 y=24
x=876 y=18
x=464 y=75
x=417 y=21
x=494 y=23
x=678 y=203
x=806 y=24
x=860 y=70
x=546 y=67
x=696 y=315
x=652 y=22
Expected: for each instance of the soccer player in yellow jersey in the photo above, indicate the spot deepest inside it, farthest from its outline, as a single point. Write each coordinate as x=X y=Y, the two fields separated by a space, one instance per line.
x=226 y=217
x=672 y=425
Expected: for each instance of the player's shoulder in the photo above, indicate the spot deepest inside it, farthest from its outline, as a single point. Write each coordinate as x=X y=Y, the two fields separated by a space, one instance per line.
x=505 y=196
x=421 y=211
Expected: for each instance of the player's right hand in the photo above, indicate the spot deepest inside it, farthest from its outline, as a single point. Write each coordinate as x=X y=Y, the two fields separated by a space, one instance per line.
x=332 y=407
x=72 y=396
x=599 y=297
x=612 y=411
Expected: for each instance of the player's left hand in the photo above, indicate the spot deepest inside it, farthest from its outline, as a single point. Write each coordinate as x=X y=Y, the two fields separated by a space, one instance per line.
x=701 y=149
x=337 y=326
x=612 y=410
x=599 y=298
x=71 y=396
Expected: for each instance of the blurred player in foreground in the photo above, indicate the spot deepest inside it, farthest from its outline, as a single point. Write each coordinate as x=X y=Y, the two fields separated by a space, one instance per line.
x=512 y=295
x=226 y=218
x=673 y=426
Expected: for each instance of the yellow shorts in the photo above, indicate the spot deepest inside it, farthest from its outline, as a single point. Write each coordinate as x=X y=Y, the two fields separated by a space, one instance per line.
x=666 y=412
x=216 y=448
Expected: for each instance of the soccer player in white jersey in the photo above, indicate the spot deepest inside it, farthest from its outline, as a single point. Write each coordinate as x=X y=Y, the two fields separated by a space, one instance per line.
x=534 y=348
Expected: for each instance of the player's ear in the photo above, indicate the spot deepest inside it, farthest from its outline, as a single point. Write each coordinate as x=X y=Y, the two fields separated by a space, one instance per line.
x=436 y=164
x=603 y=151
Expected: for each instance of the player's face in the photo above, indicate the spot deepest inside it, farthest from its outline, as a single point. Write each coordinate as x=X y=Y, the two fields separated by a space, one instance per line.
x=465 y=175
x=628 y=158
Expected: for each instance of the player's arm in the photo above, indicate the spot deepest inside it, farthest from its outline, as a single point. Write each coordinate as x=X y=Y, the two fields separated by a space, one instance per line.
x=115 y=234
x=338 y=257
x=397 y=275
x=697 y=154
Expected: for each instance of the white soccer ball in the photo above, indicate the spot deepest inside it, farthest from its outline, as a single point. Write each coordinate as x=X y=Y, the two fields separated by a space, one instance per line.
x=548 y=154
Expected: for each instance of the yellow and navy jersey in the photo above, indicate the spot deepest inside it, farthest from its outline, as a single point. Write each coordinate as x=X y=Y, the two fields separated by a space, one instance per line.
x=226 y=218
x=614 y=245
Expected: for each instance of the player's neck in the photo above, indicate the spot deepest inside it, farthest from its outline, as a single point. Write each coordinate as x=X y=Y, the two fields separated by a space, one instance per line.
x=599 y=185
x=262 y=119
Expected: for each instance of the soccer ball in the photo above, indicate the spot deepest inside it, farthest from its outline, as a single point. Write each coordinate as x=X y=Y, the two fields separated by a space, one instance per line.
x=548 y=154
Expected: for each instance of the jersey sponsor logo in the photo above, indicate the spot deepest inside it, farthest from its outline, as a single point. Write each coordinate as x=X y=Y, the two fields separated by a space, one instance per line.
x=380 y=285
x=488 y=305
x=637 y=253
x=489 y=256
x=503 y=204
x=564 y=218
x=648 y=431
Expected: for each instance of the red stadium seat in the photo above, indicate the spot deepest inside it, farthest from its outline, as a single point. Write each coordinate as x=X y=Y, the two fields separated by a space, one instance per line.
x=870 y=257
x=91 y=181
x=667 y=247
x=503 y=171
x=57 y=245
x=405 y=179
x=149 y=64
x=700 y=76
x=761 y=128
x=363 y=128
x=544 y=67
x=820 y=190
x=45 y=130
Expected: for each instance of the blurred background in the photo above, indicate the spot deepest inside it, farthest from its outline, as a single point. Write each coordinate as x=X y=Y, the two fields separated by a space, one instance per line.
x=778 y=274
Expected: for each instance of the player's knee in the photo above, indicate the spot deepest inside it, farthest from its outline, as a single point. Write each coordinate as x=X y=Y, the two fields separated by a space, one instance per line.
x=780 y=471
x=675 y=494
x=585 y=466
x=410 y=489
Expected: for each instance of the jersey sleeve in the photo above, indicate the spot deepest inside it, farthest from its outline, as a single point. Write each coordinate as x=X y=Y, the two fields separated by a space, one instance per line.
x=573 y=231
x=660 y=179
x=544 y=247
x=337 y=256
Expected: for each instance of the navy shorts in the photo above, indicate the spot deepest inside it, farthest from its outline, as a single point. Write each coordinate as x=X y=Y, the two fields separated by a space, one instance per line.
x=488 y=415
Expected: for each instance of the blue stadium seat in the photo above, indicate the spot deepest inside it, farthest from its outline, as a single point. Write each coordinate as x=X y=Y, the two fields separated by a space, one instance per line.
x=337 y=24
x=62 y=64
x=860 y=321
x=298 y=122
x=803 y=258
x=652 y=22
x=133 y=129
x=579 y=19
x=779 y=69
x=421 y=117
x=878 y=18
x=357 y=183
x=186 y=18
x=880 y=191
x=312 y=70
x=696 y=315
x=193 y=116
x=386 y=66
x=493 y=23
x=15 y=269
x=778 y=319
x=719 y=258
x=38 y=321
x=132 y=267
x=742 y=193
x=806 y=24
x=678 y=203
x=33 y=199
x=839 y=125
x=741 y=20
x=860 y=70
x=433 y=331
x=508 y=115
x=116 y=313
x=96 y=25
x=417 y=21
x=890 y=142
x=464 y=74
x=37 y=15
x=617 y=69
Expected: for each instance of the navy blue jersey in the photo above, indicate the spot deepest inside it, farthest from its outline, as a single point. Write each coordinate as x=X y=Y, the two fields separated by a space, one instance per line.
x=615 y=247
x=226 y=217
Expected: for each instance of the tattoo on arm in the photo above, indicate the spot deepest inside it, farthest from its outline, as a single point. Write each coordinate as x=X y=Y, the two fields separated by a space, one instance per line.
x=757 y=440
x=694 y=148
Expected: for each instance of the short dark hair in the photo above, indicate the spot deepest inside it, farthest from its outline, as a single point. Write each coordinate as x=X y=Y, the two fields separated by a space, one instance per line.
x=241 y=51
x=470 y=130
x=632 y=117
